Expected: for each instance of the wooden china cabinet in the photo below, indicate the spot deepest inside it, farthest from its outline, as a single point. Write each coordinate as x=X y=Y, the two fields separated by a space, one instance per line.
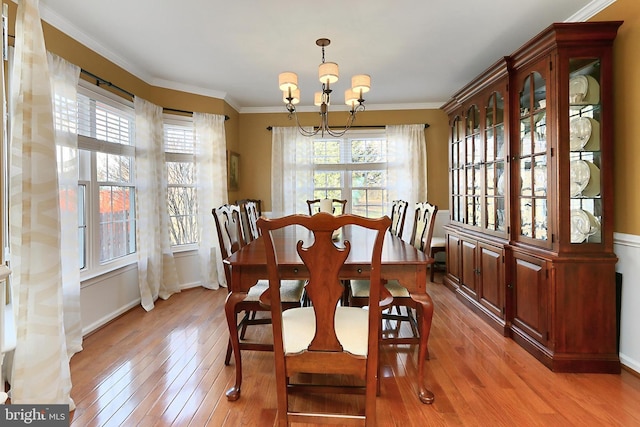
x=478 y=153
x=530 y=237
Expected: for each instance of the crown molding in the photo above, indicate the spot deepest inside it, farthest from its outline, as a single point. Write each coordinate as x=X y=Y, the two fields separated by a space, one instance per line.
x=372 y=107
x=67 y=28
x=168 y=84
x=59 y=22
x=590 y=10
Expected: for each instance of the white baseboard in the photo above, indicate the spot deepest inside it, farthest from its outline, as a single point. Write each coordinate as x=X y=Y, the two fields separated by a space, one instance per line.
x=630 y=363
x=627 y=248
x=87 y=329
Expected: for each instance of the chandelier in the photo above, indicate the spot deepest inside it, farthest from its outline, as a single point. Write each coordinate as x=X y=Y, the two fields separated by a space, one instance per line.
x=328 y=75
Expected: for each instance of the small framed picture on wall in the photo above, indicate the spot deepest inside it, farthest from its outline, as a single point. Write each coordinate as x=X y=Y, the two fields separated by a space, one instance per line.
x=233 y=163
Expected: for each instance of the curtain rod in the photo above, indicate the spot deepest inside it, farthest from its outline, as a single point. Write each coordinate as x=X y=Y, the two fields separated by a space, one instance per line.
x=100 y=80
x=426 y=125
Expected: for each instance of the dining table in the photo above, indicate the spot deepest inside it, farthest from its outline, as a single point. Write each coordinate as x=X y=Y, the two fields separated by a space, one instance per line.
x=400 y=261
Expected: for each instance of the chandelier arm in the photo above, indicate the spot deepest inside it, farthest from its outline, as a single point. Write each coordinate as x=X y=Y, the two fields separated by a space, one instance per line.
x=301 y=129
x=337 y=134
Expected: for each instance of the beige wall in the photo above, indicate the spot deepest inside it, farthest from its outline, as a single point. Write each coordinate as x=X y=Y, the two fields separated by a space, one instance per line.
x=247 y=134
x=626 y=97
x=66 y=47
x=255 y=147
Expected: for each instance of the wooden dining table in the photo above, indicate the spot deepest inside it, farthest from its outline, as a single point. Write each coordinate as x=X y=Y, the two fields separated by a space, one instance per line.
x=400 y=261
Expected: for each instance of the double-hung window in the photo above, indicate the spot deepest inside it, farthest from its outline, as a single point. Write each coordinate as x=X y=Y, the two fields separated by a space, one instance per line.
x=353 y=167
x=106 y=193
x=179 y=138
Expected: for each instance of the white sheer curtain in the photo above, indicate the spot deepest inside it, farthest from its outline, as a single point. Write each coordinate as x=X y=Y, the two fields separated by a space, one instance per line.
x=40 y=371
x=407 y=166
x=211 y=190
x=157 y=274
x=64 y=81
x=291 y=171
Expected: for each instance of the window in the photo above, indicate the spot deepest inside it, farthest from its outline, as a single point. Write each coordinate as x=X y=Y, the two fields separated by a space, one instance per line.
x=106 y=189
x=179 y=139
x=82 y=225
x=354 y=168
x=116 y=194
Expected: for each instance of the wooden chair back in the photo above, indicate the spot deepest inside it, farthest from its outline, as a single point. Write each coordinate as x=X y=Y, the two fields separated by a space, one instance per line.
x=423 y=225
x=250 y=211
x=342 y=203
x=318 y=349
x=229 y=229
x=230 y=239
x=421 y=235
x=257 y=202
x=398 y=215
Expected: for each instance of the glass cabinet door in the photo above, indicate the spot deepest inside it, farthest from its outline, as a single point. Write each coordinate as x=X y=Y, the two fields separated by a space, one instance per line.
x=494 y=162
x=472 y=168
x=584 y=146
x=457 y=169
x=532 y=160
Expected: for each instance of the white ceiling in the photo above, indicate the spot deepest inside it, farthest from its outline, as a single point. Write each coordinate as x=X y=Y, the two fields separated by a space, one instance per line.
x=418 y=52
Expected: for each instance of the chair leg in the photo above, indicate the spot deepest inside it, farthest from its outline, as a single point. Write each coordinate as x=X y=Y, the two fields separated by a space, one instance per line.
x=227 y=358
x=432 y=269
x=379 y=373
x=411 y=317
x=345 y=293
x=413 y=322
x=243 y=323
x=240 y=326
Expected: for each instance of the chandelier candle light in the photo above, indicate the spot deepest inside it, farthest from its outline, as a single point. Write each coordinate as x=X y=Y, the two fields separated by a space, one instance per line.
x=328 y=75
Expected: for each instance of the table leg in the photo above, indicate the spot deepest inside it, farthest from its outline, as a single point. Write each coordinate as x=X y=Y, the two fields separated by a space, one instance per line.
x=425 y=307
x=230 y=311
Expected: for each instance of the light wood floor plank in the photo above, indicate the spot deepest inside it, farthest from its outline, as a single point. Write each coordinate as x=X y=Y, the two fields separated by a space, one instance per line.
x=166 y=368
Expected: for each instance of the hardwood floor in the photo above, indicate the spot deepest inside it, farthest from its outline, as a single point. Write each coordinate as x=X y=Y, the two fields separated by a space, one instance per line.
x=166 y=368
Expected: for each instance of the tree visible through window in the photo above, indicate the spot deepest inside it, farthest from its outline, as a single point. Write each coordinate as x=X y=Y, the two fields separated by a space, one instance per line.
x=116 y=201
x=354 y=168
x=181 y=198
x=106 y=205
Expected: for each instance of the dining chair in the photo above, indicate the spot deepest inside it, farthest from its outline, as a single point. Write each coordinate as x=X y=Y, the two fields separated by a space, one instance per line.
x=421 y=235
x=250 y=211
x=324 y=338
x=227 y=220
x=398 y=214
x=342 y=203
x=257 y=202
x=438 y=244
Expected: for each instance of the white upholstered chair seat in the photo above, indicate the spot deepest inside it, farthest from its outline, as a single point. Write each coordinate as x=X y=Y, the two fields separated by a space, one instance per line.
x=352 y=329
x=438 y=242
x=360 y=288
x=290 y=290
